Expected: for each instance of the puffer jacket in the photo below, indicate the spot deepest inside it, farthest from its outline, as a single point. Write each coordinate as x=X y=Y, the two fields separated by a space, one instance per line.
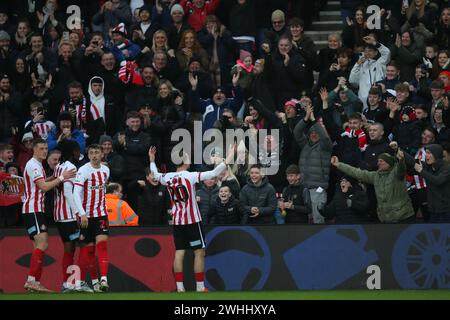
x=207 y=197
x=232 y=212
x=315 y=158
x=366 y=74
x=394 y=203
x=262 y=197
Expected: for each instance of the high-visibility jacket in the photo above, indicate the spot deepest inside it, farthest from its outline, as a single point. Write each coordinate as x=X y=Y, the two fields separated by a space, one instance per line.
x=119 y=212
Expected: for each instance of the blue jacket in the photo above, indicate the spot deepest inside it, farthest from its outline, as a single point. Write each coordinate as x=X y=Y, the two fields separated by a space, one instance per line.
x=77 y=136
x=212 y=112
x=133 y=50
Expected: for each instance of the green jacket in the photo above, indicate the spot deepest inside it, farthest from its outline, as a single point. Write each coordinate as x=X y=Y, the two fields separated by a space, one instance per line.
x=394 y=204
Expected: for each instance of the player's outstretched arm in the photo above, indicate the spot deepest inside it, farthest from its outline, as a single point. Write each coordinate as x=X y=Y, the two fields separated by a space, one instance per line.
x=49 y=185
x=153 y=168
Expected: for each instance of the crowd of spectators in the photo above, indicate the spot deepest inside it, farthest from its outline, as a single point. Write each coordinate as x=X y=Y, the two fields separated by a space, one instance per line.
x=366 y=140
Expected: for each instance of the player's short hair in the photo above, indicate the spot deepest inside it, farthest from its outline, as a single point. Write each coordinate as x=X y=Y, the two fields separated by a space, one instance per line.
x=38 y=140
x=293 y=169
x=255 y=166
x=94 y=146
x=113 y=187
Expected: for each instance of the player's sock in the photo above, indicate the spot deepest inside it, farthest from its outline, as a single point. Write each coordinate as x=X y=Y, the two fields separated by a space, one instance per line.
x=67 y=261
x=31 y=279
x=92 y=265
x=200 y=278
x=94 y=282
x=83 y=261
x=103 y=278
x=36 y=264
x=103 y=262
x=179 y=277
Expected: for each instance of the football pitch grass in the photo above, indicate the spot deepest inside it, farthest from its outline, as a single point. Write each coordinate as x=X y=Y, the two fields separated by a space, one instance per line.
x=261 y=295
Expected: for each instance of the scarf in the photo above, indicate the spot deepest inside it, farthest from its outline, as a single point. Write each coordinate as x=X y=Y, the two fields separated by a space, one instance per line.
x=360 y=134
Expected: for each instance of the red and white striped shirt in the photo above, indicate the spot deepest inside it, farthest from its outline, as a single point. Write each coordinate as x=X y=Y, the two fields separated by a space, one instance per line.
x=418 y=180
x=181 y=187
x=93 y=181
x=42 y=128
x=34 y=197
x=64 y=208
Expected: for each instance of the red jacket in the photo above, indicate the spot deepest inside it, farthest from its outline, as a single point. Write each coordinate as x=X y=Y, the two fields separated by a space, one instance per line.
x=197 y=16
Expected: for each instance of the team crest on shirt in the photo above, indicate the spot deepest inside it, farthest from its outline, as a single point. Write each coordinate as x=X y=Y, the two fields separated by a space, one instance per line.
x=43 y=227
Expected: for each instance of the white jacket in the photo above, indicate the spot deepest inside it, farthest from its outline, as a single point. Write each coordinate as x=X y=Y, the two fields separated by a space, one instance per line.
x=366 y=74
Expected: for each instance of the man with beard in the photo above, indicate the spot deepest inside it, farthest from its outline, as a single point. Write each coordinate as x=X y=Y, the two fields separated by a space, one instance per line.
x=86 y=115
x=145 y=94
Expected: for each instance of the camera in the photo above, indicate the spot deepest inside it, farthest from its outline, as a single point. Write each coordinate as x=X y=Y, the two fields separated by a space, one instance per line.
x=225 y=122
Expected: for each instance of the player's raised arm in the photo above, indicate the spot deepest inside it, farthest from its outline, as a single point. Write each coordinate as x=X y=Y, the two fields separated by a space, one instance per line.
x=221 y=167
x=153 y=168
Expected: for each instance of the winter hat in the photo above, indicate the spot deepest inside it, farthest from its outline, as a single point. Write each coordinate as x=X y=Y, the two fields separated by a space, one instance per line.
x=176 y=8
x=27 y=136
x=278 y=15
x=290 y=104
x=4 y=35
x=244 y=54
x=436 y=150
x=195 y=58
x=120 y=29
x=445 y=73
x=352 y=180
x=388 y=158
x=104 y=138
x=410 y=112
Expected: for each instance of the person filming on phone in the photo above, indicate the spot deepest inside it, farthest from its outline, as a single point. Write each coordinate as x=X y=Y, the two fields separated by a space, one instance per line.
x=369 y=69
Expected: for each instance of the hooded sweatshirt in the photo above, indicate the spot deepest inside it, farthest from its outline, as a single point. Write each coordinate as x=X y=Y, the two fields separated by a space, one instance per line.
x=98 y=101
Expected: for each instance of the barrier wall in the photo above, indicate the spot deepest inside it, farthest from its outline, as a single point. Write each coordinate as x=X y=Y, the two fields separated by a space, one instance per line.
x=258 y=258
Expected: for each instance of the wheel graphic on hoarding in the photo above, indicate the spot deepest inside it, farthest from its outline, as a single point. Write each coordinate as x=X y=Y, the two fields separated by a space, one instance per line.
x=421 y=257
x=234 y=265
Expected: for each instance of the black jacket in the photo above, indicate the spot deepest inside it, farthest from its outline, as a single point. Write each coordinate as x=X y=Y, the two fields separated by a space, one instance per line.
x=373 y=150
x=134 y=152
x=299 y=213
x=152 y=203
x=263 y=197
x=232 y=212
x=207 y=197
x=348 y=207
x=116 y=166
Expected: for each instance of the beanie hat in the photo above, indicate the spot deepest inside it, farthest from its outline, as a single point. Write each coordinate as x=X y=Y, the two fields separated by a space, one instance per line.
x=176 y=8
x=120 y=29
x=27 y=136
x=278 y=15
x=410 y=112
x=195 y=58
x=445 y=73
x=104 y=138
x=244 y=54
x=290 y=104
x=436 y=150
x=352 y=180
x=4 y=35
x=388 y=158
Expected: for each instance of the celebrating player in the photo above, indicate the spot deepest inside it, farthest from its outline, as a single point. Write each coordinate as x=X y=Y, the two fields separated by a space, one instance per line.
x=188 y=231
x=33 y=210
x=89 y=195
x=65 y=211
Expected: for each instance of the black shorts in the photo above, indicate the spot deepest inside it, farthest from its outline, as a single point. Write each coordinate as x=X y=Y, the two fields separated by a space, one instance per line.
x=96 y=227
x=68 y=231
x=189 y=236
x=35 y=223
